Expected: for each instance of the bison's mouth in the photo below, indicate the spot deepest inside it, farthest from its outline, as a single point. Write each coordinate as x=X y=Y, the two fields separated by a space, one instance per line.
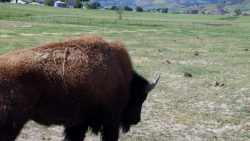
x=125 y=128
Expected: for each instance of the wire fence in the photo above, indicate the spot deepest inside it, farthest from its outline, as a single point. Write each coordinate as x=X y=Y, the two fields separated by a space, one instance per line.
x=109 y=22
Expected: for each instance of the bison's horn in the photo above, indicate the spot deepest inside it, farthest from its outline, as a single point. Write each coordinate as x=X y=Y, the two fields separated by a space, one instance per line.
x=151 y=86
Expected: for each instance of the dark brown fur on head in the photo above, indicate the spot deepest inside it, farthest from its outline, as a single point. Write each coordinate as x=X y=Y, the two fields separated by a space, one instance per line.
x=79 y=83
x=132 y=113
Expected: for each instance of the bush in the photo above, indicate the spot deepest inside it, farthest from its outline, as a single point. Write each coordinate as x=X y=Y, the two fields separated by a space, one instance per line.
x=95 y=5
x=164 y=10
x=237 y=12
x=139 y=9
x=47 y=2
x=113 y=8
x=78 y=4
x=126 y=8
x=195 y=11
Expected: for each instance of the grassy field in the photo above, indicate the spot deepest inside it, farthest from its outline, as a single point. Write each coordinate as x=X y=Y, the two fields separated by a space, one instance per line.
x=180 y=108
x=37 y=11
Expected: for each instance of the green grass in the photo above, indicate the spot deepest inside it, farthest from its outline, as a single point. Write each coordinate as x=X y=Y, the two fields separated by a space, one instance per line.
x=180 y=108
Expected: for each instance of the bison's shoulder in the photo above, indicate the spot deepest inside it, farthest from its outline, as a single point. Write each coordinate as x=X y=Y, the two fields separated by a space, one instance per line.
x=16 y=63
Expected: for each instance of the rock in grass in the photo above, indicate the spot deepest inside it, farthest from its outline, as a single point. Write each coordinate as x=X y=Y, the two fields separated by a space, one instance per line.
x=196 y=53
x=216 y=84
x=248 y=110
x=187 y=74
x=46 y=138
x=168 y=62
x=246 y=49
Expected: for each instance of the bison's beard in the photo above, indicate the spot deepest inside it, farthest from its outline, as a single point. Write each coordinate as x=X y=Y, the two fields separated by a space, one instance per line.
x=125 y=127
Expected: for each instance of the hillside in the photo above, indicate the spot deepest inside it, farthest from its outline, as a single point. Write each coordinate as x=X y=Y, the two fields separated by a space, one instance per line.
x=206 y=6
x=184 y=6
x=144 y=3
x=227 y=7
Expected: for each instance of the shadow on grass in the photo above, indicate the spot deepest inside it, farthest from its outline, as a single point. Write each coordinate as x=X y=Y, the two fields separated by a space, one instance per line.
x=232 y=18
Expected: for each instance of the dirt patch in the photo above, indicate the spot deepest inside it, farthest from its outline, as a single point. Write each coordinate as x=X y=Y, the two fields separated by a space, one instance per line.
x=5 y=36
x=155 y=30
x=77 y=33
x=27 y=34
x=195 y=62
x=122 y=31
x=26 y=26
x=94 y=32
x=138 y=60
x=35 y=132
x=45 y=33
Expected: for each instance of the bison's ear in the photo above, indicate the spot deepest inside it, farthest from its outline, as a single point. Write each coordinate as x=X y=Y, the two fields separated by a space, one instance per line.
x=151 y=86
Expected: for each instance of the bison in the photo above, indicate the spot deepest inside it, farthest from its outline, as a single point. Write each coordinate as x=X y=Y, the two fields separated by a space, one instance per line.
x=83 y=84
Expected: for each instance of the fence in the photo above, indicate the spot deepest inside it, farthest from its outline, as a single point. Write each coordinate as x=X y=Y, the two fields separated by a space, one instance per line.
x=114 y=22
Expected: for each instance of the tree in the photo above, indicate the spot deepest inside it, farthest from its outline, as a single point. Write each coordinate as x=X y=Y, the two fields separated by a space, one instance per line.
x=237 y=12
x=78 y=4
x=86 y=3
x=126 y=8
x=195 y=11
x=95 y=5
x=158 y=9
x=139 y=9
x=119 y=10
x=47 y=2
x=164 y=10
x=113 y=8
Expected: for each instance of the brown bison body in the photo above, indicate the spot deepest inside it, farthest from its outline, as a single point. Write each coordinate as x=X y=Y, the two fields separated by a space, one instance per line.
x=83 y=83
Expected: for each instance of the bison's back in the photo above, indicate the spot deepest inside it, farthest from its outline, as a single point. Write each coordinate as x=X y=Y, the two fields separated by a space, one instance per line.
x=87 y=62
x=82 y=72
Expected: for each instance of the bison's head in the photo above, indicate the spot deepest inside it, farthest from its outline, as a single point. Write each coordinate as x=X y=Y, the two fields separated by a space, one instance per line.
x=139 y=89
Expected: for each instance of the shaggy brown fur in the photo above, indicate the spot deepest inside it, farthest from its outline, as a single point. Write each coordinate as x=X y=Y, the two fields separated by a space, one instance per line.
x=79 y=83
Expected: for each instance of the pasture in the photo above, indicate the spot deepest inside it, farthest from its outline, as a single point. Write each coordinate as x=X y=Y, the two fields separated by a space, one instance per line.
x=180 y=108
